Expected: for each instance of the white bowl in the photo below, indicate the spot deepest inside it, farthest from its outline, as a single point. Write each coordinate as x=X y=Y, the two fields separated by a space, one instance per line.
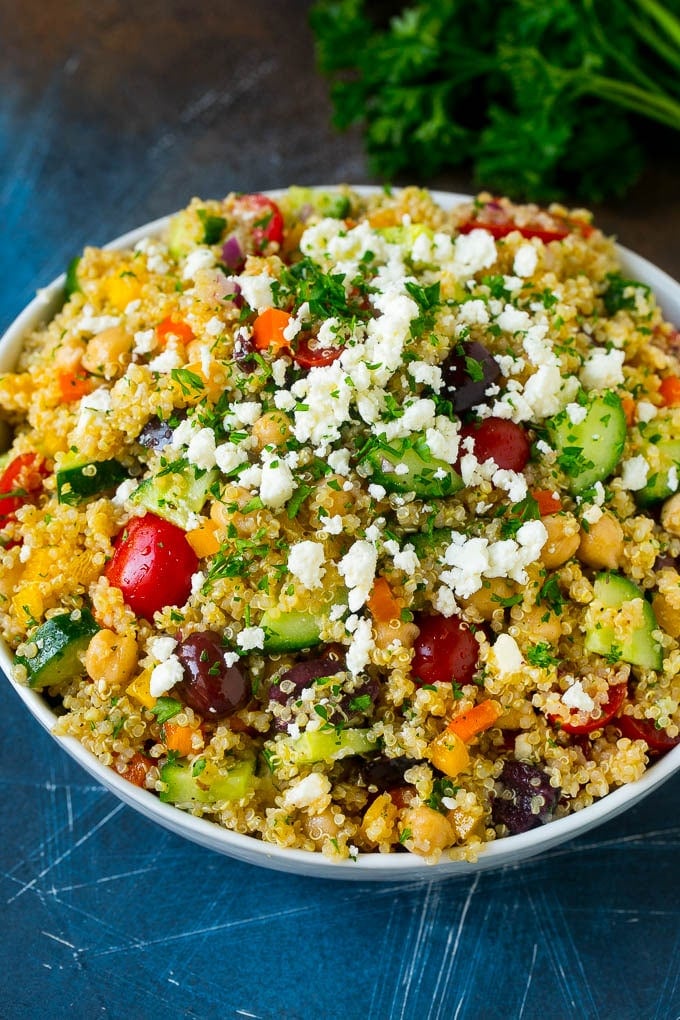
x=369 y=867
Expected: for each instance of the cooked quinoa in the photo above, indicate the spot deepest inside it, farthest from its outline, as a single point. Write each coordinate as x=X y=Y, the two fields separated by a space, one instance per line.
x=352 y=522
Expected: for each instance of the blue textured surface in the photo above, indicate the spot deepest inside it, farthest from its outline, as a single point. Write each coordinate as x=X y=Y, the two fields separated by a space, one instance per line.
x=109 y=120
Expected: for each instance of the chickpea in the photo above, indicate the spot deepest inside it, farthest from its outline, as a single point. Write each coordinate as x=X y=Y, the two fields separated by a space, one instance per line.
x=322 y=827
x=384 y=633
x=111 y=657
x=224 y=514
x=563 y=539
x=108 y=353
x=424 y=830
x=272 y=429
x=539 y=624
x=331 y=495
x=670 y=514
x=666 y=603
x=487 y=599
x=601 y=546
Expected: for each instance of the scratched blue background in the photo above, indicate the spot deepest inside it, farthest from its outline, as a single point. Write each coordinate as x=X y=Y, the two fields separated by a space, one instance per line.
x=109 y=118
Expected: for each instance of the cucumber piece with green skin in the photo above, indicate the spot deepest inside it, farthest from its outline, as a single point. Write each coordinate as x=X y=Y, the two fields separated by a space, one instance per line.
x=184 y=233
x=72 y=283
x=333 y=204
x=290 y=631
x=331 y=745
x=658 y=441
x=590 y=450
x=176 y=496
x=79 y=482
x=183 y=787
x=634 y=644
x=420 y=472
x=60 y=641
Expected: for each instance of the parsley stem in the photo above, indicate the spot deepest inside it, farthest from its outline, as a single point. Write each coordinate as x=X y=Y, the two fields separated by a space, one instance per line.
x=659 y=108
x=664 y=18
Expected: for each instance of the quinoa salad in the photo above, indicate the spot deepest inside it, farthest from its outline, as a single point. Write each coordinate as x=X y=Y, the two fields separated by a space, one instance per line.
x=351 y=522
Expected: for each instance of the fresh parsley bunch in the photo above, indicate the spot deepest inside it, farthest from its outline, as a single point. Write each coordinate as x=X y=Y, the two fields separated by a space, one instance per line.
x=544 y=97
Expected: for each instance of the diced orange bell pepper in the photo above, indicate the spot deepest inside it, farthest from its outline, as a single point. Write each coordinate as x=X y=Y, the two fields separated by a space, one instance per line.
x=628 y=405
x=202 y=539
x=74 y=385
x=170 y=327
x=178 y=738
x=670 y=391
x=268 y=329
x=478 y=718
x=448 y=753
x=548 y=502
x=137 y=768
x=382 y=604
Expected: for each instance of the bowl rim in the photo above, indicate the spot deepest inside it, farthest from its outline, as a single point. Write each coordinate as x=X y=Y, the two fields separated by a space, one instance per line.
x=366 y=867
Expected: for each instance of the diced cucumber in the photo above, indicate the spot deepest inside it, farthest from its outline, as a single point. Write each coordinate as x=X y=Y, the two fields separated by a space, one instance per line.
x=326 y=203
x=78 y=482
x=290 y=631
x=404 y=235
x=60 y=643
x=589 y=451
x=632 y=643
x=184 y=233
x=658 y=441
x=430 y=543
x=419 y=471
x=176 y=496
x=72 y=283
x=207 y=787
x=331 y=745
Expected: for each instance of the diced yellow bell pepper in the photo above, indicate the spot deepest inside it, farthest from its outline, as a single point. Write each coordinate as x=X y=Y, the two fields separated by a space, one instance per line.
x=121 y=290
x=203 y=540
x=27 y=603
x=448 y=753
x=140 y=690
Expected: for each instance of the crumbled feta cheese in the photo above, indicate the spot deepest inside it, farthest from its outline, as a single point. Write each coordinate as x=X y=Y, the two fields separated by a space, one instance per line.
x=406 y=559
x=250 y=637
x=124 y=491
x=214 y=326
x=277 y=484
x=257 y=290
x=305 y=561
x=634 y=473
x=602 y=369
x=98 y=400
x=473 y=252
x=332 y=525
x=576 y=697
x=473 y=313
x=161 y=648
x=307 y=791
x=376 y=491
x=201 y=450
x=197 y=582
x=646 y=411
x=228 y=456
x=576 y=413
x=525 y=261
x=145 y=341
x=338 y=460
x=166 y=361
x=672 y=480
x=513 y=320
x=357 y=567
x=430 y=375
x=359 y=652
x=247 y=412
x=199 y=258
x=165 y=675
x=506 y=655
x=444 y=602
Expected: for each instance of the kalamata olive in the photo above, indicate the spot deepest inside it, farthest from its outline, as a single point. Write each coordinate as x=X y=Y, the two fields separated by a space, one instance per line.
x=244 y=351
x=211 y=687
x=467 y=374
x=386 y=773
x=156 y=434
x=527 y=799
x=302 y=675
x=665 y=561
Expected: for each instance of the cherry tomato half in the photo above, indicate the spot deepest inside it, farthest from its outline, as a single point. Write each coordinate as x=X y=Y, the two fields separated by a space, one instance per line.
x=581 y=723
x=309 y=356
x=263 y=219
x=499 y=223
x=152 y=565
x=657 y=740
x=445 y=650
x=500 y=440
x=22 y=478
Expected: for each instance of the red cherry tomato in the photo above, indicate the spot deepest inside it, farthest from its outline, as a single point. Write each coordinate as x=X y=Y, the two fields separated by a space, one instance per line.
x=502 y=441
x=152 y=565
x=583 y=724
x=22 y=478
x=497 y=220
x=263 y=219
x=657 y=741
x=309 y=356
x=445 y=650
